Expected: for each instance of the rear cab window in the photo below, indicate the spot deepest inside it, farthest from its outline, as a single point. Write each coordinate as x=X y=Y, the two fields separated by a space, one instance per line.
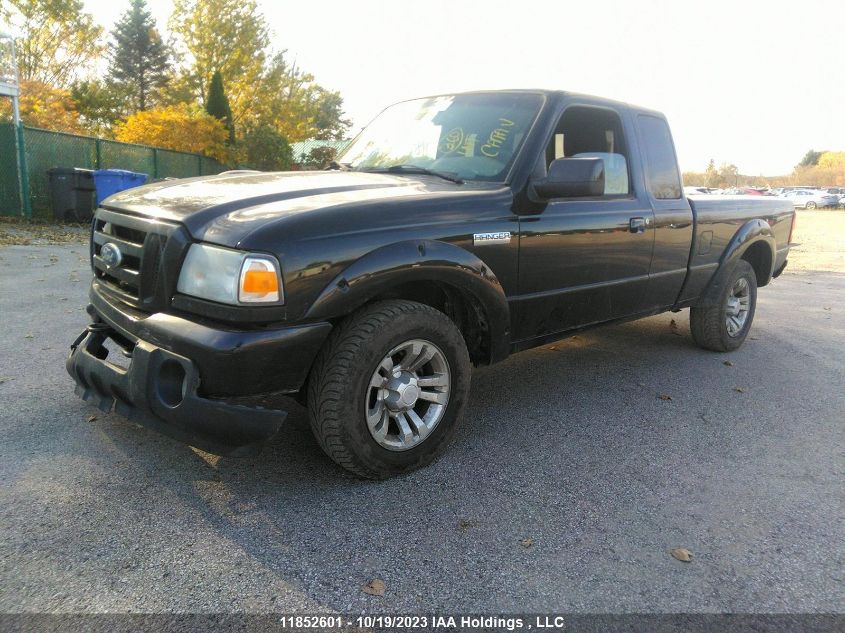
x=662 y=177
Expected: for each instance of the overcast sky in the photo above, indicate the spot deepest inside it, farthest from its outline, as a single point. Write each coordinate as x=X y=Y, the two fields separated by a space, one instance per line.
x=752 y=83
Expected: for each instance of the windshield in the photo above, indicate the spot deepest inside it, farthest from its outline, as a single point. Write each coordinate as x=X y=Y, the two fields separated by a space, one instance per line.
x=472 y=136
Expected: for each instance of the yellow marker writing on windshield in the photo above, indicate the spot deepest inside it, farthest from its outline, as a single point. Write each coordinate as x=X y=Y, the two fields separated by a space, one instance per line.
x=497 y=138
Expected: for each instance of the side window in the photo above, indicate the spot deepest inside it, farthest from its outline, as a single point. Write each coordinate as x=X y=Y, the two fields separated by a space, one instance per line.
x=593 y=133
x=661 y=166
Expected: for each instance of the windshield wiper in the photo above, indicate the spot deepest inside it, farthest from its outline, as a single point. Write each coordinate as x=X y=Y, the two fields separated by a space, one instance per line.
x=416 y=169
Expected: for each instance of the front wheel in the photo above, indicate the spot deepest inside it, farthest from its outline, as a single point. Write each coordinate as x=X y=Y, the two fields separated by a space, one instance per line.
x=389 y=388
x=810 y=205
x=723 y=327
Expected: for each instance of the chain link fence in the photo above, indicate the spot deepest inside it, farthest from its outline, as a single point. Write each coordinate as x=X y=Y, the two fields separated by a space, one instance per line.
x=10 y=195
x=46 y=149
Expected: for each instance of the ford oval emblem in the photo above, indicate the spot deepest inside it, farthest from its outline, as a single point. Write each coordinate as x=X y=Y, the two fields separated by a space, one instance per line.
x=111 y=255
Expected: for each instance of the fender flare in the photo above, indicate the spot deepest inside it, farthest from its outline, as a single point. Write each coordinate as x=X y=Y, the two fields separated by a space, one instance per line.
x=419 y=260
x=750 y=233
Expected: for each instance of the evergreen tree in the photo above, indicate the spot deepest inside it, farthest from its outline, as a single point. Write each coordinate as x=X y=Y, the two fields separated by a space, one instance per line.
x=217 y=104
x=139 y=59
x=811 y=158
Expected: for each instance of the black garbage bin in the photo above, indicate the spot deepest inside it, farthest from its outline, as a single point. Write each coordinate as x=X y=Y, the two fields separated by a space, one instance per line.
x=72 y=193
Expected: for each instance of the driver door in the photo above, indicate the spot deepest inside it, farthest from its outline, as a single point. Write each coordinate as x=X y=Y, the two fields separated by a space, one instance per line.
x=586 y=260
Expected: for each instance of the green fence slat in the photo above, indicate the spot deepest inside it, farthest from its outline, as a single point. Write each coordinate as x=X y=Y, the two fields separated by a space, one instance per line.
x=10 y=197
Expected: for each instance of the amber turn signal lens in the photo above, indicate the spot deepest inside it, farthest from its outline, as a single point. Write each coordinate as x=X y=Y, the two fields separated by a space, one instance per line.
x=260 y=281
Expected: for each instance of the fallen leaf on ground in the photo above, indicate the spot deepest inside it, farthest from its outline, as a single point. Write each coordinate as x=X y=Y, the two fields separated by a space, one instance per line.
x=92 y=418
x=739 y=389
x=29 y=336
x=374 y=588
x=664 y=396
x=527 y=542
x=728 y=363
x=464 y=524
x=674 y=327
x=826 y=308
x=682 y=554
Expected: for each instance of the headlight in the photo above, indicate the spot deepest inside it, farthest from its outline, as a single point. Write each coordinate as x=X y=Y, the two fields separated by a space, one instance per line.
x=227 y=276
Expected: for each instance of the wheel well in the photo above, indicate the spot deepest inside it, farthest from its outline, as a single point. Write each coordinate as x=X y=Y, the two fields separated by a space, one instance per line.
x=759 y=255
x=459 y=305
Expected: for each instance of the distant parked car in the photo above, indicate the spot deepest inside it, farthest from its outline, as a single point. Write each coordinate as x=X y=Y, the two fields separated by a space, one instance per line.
x=741 y=191
x=696 y=191
x=811 y=199
x=840 y=192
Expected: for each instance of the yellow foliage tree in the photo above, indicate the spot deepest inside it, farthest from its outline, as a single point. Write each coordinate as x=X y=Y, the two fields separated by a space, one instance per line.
x=179 y=127
x=45 y=107
x=832 y=160
x=229 y=36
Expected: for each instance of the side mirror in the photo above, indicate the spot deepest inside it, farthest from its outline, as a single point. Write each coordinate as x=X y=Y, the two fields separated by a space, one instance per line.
x=572 y=178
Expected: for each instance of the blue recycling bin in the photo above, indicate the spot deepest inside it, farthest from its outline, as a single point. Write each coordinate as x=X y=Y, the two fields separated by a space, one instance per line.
x=109 y=181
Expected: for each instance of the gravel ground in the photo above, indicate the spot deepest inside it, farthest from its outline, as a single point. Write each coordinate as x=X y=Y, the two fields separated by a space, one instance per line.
x=821 y=241
x=20 y=232
x=570 y=446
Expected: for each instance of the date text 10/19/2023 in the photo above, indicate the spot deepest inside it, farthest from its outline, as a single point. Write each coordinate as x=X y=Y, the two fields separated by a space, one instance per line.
x=457 y=622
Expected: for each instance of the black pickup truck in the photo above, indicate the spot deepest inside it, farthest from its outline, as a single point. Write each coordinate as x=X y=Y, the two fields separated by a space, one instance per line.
x=454 y=231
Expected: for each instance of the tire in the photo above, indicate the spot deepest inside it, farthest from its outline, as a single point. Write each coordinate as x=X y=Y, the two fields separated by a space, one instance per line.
x=343 y=401
x=709 y=324
x=810 y=205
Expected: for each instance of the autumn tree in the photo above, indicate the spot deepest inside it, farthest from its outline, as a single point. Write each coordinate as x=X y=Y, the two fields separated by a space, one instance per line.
x=230 y=36
x=263 y=147
x=45 y=107
x=829 y=170
x=101 y=104
x=728 y=175
x=322 y=156
x=139 y=59
x=711 y=174
x=58 y=40
x=298 y=106
x=217 y=104
x=182 y=127
x=329 y=119
x=832 y=160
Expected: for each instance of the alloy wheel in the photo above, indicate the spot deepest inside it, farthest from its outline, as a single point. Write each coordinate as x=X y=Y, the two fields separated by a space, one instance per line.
x=736 y=309
x=407 y=395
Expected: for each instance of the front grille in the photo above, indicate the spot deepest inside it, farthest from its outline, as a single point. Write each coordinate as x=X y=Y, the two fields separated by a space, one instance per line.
x=135 y=278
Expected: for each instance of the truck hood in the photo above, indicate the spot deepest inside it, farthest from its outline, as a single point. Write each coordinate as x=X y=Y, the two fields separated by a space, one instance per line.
x=225 y=209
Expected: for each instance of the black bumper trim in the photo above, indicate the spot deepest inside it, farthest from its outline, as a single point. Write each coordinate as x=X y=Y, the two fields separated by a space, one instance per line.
x=159 y=390
x=231 y=362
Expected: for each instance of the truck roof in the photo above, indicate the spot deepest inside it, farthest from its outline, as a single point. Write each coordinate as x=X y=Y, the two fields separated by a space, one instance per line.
x=556 y=94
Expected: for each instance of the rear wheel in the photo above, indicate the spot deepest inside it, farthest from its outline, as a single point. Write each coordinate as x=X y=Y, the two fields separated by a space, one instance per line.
x=389 y=388
x=722 y=327
x=810 y=205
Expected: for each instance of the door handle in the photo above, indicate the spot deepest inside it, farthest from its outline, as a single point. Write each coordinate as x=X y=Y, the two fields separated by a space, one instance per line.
x=637 y=225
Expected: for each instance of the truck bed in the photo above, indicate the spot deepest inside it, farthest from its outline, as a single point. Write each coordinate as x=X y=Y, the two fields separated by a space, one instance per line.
x=717 y=220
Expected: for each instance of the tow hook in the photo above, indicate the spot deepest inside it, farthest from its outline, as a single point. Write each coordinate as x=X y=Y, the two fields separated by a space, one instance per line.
x=93 y=327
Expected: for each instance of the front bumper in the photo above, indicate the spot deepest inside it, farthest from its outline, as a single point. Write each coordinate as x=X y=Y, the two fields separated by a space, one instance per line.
x=172 y=363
